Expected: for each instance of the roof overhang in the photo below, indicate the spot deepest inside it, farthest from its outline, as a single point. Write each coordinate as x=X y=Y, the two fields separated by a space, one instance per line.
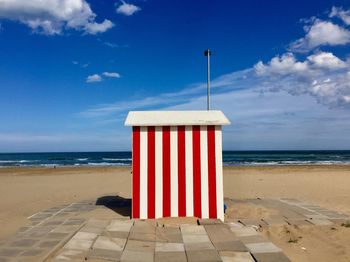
x=176 y=118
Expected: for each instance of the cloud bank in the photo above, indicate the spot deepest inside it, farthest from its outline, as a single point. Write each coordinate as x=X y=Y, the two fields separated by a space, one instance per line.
x=321 y=75
x=321 y=33
x=52 y=17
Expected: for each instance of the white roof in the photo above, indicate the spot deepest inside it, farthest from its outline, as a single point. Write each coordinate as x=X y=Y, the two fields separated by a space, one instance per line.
x=175 y=118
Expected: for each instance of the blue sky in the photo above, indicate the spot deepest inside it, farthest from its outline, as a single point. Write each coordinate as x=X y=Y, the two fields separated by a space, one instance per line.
x=71 y=70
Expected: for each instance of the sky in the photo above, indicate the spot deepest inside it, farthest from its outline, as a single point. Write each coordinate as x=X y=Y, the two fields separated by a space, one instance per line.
x=70 y=70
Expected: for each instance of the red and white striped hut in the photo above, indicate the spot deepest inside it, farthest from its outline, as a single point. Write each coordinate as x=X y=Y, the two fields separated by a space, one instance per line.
x=177 y=163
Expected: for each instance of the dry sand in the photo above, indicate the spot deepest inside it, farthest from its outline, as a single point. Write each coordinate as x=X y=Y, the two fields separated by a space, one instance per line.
x=25 y=191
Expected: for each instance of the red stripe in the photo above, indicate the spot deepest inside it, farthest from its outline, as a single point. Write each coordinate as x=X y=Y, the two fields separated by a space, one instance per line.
x=212 y=172
x=151 y=174
x=166 y=171
x=197 y=199
x=136 y=172
x=181 y=158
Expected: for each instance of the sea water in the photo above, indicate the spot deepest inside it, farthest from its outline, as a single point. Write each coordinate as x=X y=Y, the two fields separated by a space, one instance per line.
x=230 y=158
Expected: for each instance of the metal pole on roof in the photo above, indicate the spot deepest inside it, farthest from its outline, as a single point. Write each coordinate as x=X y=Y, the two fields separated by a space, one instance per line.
x=207 y=53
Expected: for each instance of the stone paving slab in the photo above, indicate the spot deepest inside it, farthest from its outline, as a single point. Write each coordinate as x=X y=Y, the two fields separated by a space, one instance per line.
x=70 y=255
x=168 y=234
x=220 y=233
x=253 y=239
x=199 y=246
x=114 y=244
x=115 y=234
x=142 y=236
x=251 y=222
x=193 y=230
x=32 y=252
x=237 y=246
x=169 y=247
x=223 y=238
x=188 y=239
x=234 y=224
x=298 y=222
x=316 y=216
x=244 y=231
x=170 y=257
x=10 y=252
x=339 y=221
x=79 y=244
x=203 y=255
x=209 y=222
x=24 y=243
x=103 y=254
x=229 y=256
x=265 y=247
x=137 y=256
x=320 y=222
x=274 y=221
x=142 y=246
x=271 y=257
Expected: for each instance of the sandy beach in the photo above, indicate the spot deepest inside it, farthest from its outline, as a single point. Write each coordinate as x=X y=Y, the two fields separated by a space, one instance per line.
x=25 y=191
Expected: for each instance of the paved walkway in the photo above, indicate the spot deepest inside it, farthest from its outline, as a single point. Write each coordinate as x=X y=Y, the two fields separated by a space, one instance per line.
x=74 y=233
x=292 y=212
x=128 y=240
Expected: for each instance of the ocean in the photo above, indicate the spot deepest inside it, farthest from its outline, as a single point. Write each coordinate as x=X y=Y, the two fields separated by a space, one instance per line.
x=230 y=158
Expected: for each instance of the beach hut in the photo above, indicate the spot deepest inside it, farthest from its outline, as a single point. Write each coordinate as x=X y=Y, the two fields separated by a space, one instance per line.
x=177 y=163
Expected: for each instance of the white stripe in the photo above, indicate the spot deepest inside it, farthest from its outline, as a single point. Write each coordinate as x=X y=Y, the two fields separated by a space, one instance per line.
x=189 y=171
x=219 y=178
x=143 y=172
x=173 y=172
x=159 y=171
x=204 y=172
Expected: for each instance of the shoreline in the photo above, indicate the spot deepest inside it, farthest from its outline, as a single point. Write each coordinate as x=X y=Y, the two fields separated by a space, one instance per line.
x=345 y=166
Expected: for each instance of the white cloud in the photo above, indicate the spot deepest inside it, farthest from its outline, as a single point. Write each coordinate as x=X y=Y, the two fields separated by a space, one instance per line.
x=127 y=9
x=95 y=28
x=111 y=74
x=287 y=64
x=93 y=78
x=98 y=78
x=281 y=65
x=326 y=60
x=322 y=75
x=321 y=33
x=51 y=17
x=339 y=12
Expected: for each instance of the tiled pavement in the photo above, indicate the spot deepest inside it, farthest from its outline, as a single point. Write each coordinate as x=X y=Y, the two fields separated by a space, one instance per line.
x=49 y=230
x=68 y=233
x=292 y=212
x=146 y=240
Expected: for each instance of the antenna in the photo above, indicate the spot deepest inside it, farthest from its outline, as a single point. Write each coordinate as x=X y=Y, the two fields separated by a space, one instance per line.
x=207 y=53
